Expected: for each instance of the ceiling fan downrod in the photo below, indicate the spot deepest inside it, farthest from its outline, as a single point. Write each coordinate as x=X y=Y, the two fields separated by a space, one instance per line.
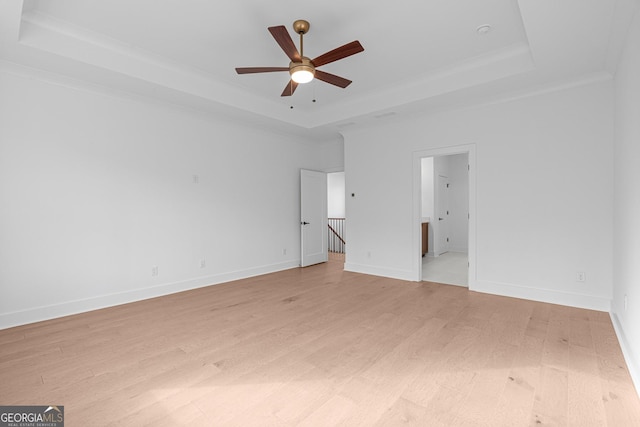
x=301 y=27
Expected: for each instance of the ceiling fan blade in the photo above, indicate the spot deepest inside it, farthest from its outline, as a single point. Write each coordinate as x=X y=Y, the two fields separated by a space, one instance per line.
x=283 y=38
x=249 y=70
x=332 y=79
x=289 y=88
x=338 y=53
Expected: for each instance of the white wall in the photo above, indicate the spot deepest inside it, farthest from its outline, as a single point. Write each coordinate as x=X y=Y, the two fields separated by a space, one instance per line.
x=544 y=180
x=335 y=195
x=97 y=189
x=426 y=173
x=626 y=248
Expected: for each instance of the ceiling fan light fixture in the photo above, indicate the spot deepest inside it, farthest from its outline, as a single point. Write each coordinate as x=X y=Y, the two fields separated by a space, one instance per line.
x=302 y=72
x=302 y=76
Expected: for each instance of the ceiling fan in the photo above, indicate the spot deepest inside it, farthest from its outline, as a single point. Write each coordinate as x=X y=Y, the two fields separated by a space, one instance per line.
x=301 y=68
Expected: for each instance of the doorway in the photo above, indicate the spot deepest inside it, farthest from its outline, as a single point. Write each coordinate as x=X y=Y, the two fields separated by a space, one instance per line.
x=336 y=216
x=313 y=217
x=444 y=207
x=445 y=194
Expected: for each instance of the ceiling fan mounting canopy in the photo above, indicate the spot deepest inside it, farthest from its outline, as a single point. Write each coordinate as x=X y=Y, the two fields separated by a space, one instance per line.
x=301 y=68
x=301 y=26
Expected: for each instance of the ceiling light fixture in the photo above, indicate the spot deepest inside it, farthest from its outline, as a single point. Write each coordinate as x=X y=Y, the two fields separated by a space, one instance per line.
x=483 y=29
x=302 y=72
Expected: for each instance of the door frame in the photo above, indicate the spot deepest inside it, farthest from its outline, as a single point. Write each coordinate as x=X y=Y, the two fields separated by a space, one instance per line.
x=416 y=251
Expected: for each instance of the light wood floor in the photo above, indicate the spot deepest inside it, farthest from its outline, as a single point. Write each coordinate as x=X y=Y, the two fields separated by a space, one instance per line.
x=323 y=347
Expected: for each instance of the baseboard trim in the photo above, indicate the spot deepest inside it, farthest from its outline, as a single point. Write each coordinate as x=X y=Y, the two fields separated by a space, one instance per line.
x=590 y=302
x=38 y=314
x=460 y=250
x=629 y=357
x=377 y=271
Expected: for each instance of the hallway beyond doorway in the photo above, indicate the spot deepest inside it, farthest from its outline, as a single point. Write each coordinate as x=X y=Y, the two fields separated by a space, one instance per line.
x=450 y=268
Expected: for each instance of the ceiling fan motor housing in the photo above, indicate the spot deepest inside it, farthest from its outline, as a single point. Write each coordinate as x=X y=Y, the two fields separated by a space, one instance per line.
x=304 y=71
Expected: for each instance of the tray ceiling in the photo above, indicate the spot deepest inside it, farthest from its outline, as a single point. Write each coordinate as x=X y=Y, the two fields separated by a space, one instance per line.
x=418 y=54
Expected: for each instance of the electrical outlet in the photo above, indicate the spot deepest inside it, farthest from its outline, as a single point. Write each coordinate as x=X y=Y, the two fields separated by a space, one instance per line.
x=203 y=263
x=284 y=251
x=581 y=276
x=154 y=271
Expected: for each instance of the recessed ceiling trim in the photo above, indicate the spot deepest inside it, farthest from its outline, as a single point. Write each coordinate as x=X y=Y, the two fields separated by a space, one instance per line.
x=38 y=31
x=165 y=57
x=346 y=125
x=504 y=63
x=48 y=34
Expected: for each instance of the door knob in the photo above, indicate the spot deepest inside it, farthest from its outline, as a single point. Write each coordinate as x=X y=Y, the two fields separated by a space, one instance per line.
x=304 y=223
x=440 y=219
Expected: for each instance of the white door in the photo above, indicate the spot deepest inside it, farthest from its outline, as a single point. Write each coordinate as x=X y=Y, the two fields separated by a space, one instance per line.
x=442 y=209
x=313 y=217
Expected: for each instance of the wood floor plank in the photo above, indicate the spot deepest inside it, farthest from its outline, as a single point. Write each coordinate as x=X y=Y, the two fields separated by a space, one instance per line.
x=515 y=404
x=550 y=407
x=444 y=406
x=556 y=348
x=584 y=397
x=333 y=412
x=321 y=346
x=406 y=413
x=488 y=383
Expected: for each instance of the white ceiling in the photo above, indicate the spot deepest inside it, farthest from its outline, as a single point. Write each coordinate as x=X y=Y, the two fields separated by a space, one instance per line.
x=418 y=54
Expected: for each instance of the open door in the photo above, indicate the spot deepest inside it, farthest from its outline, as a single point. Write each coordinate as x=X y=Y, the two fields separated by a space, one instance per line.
x=442 y=209
x=313 y=217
